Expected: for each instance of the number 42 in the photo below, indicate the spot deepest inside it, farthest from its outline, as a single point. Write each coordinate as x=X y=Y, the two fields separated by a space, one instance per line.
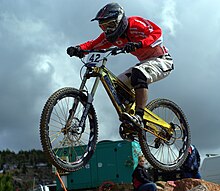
x=94 y=58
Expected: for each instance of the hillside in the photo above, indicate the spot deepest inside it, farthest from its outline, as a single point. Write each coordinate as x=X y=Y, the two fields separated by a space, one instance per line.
x=25 y=169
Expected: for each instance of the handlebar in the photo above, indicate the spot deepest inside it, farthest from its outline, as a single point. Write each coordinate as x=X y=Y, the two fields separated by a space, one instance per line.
x=113 y=50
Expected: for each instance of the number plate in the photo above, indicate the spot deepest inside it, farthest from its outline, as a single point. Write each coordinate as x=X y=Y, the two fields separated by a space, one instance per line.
x=94 y=58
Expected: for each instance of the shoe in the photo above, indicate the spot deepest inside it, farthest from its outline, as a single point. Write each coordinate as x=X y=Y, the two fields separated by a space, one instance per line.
x=134 y=119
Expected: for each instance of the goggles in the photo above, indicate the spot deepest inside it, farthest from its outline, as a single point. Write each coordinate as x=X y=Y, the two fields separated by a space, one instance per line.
x=109 y=25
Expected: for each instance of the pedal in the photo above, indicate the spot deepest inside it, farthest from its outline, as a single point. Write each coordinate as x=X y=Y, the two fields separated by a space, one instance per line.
x=126 y=117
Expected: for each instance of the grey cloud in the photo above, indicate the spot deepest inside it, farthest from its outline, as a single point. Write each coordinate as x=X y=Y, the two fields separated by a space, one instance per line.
x=34 y=36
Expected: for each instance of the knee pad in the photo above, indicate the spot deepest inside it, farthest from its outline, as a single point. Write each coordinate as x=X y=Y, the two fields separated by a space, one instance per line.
x=138 y=79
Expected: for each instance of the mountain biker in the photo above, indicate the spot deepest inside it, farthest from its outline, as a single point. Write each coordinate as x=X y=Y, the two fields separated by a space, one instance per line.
x=140 y=37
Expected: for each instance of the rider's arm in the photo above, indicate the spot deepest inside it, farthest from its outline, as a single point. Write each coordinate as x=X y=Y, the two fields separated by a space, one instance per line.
x=151 y=32
x=98 y=43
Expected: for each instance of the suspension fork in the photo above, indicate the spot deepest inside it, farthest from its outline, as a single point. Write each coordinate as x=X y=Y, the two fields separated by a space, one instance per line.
x=76 y=102
x=90 y=98
x=89 y=101
x=99 y=71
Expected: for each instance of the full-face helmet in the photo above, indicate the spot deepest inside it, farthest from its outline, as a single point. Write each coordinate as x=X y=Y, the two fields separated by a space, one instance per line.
x=112 y=21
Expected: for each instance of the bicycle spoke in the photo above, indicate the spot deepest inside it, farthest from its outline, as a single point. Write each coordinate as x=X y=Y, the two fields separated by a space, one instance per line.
x=64 y=142
x=163 y=150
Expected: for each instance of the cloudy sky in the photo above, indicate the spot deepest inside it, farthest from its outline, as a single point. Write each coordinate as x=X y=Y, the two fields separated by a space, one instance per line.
x=34 y=36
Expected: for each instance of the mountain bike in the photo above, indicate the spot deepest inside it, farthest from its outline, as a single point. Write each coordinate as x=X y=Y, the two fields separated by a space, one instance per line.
x=69 y=125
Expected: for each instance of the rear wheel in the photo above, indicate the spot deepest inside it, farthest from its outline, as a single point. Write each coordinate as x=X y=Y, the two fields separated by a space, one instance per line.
x=68 y=147
x=167 y=155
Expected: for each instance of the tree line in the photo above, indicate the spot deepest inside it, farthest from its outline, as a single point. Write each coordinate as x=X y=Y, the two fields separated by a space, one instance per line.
x=18 y=170
x=31 y=157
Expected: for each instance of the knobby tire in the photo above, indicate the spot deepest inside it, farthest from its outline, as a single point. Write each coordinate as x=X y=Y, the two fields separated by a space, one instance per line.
x=68 y=149
x=174 y=153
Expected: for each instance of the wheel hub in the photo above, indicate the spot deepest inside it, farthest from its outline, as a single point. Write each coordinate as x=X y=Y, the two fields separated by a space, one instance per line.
x=72 y=130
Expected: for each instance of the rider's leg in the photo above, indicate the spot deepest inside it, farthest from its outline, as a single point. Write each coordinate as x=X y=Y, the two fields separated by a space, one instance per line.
x=141 y=76
x=139 y=83
x=147 y=72
x=141 y=92
x=141 y=96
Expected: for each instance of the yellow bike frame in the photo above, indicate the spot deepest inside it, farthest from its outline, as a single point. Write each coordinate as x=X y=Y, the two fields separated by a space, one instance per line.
x=108 y=80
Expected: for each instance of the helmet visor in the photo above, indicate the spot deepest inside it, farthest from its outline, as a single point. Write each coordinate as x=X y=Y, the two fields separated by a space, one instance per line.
x=108 y=25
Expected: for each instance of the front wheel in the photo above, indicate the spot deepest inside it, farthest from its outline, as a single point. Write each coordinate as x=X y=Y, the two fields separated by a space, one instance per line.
x=167 y=155
x=68 y=146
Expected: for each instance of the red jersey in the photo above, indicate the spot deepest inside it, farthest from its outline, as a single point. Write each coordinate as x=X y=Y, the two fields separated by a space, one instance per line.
x=139 y=29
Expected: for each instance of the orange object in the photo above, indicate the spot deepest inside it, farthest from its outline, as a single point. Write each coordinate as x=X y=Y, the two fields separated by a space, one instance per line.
x=61 y=181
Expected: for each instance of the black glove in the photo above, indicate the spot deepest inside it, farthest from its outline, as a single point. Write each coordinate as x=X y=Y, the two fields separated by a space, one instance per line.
x=75 y=51
x=132 y=46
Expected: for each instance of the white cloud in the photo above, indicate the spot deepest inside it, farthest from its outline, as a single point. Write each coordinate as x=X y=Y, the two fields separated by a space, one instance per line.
x=168 y=16
x=44 y=64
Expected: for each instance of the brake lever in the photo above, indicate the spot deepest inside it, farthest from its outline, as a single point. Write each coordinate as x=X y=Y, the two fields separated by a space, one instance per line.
x=114 y=51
